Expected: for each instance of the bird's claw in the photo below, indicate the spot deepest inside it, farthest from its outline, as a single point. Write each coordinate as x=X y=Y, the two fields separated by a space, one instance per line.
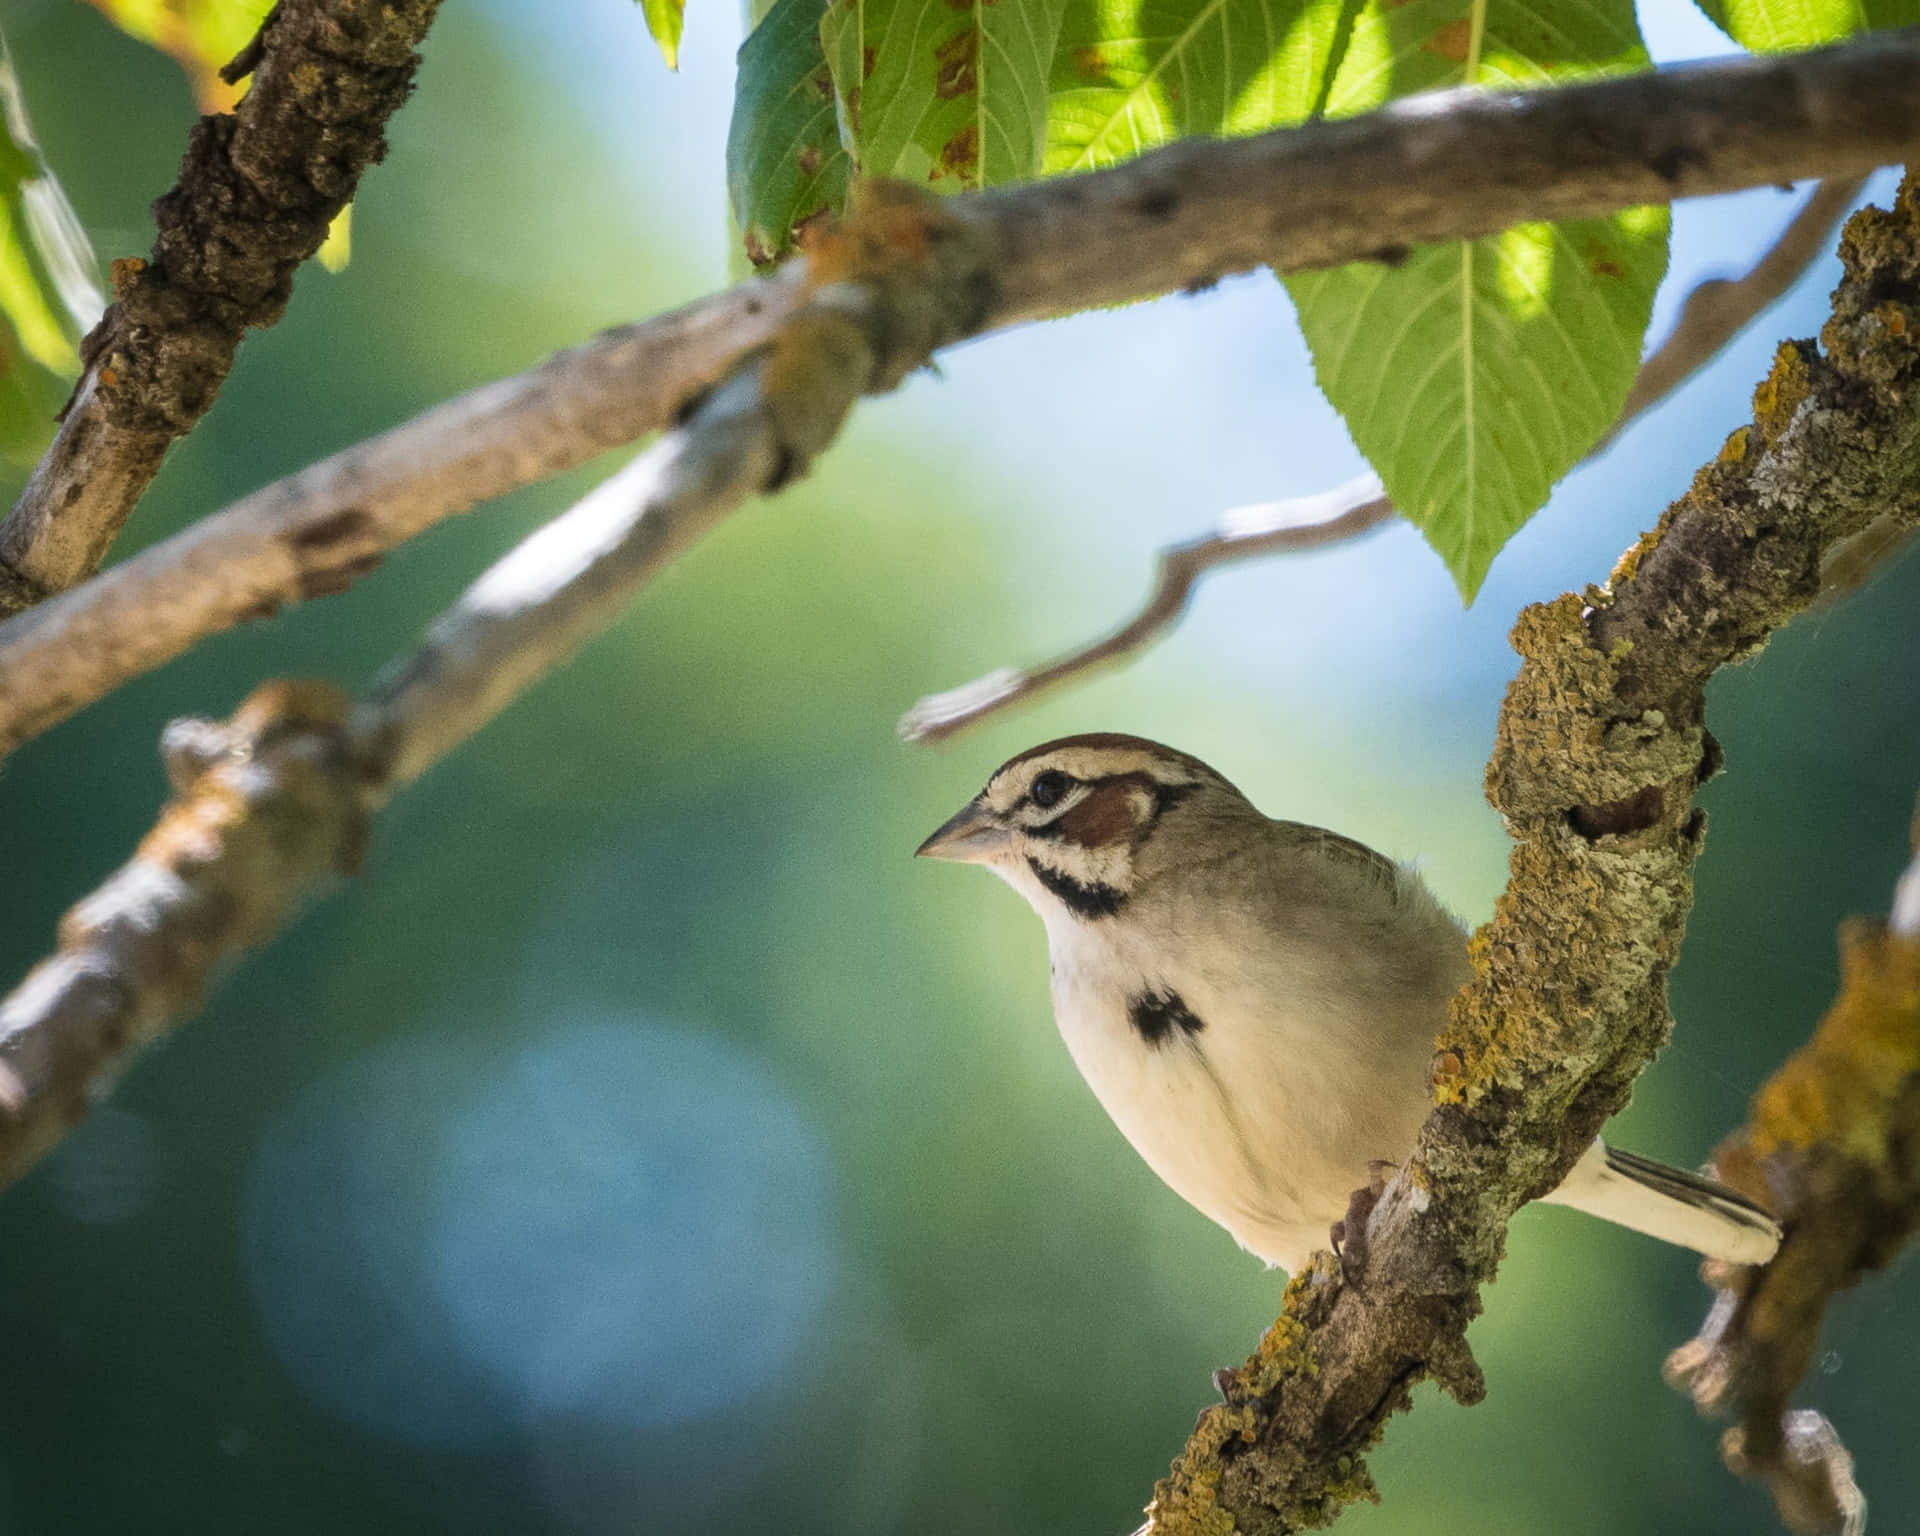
x=1349 y=1234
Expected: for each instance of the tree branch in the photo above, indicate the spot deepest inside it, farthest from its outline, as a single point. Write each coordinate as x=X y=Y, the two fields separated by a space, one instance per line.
x=1715 y=312
x=1447 y=166
x=1601 y=746
x=320 y=530
x=1245 y=533
x=278 y=798
x=257 y=192
x=1830 y=1144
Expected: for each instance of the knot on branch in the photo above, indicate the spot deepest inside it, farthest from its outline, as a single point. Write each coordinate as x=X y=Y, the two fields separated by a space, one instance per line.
x=899 y=277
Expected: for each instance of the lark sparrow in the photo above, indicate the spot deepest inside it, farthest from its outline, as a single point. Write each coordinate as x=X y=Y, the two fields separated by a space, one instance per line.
x=1256 y=1002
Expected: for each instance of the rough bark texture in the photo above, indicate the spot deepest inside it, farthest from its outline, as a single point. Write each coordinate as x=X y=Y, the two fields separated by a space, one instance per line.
x=257 y=192
x=1601 y=746
x=1447 y=166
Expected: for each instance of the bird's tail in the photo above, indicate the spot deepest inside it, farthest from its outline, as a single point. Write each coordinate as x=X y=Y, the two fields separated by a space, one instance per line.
x=1670 y=1204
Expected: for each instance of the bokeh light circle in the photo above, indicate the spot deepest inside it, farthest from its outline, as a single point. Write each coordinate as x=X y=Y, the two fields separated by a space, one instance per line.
x=613 y=1221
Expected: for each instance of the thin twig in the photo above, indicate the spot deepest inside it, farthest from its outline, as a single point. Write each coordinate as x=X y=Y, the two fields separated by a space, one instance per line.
x=1715 y=311
x=1443 y=167
x=258 y=190
x=1306 y=522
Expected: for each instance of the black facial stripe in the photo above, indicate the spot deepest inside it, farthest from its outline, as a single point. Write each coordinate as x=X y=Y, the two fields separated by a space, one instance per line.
x=1156 y=1014
x=1089 y=901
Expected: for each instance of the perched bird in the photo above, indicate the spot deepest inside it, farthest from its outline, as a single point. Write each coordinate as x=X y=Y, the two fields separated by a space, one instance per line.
x=1255 y=1002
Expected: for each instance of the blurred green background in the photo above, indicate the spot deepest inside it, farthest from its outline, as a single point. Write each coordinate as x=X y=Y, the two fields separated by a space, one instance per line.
x=644 y=1142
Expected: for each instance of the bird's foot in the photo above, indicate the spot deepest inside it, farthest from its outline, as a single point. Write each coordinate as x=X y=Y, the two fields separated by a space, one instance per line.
x=1349 y=1234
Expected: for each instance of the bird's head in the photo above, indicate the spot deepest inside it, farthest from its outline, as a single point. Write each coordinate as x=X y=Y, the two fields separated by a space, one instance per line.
x=1080 y=825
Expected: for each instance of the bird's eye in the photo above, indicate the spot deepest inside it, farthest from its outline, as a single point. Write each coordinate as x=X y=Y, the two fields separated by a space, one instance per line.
x=1049 y=788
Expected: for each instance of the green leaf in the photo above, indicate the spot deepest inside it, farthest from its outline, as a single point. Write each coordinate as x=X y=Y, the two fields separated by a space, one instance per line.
x=48 y=296
x=948 y=92
x=664 y=19
x=785 y=163
x=1774 y=26
x=1130 y=74
x=1475 y=375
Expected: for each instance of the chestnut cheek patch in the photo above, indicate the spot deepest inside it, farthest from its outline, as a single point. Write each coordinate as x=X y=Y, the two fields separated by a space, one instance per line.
x=1108 y=815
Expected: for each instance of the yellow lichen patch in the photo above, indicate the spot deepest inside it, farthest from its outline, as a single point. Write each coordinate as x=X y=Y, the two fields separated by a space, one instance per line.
x=1841 y=1088
x=1629 y=562
x=1734 y=449
x=1186 y=1502
x=1782 y=391
x=1285 y=1350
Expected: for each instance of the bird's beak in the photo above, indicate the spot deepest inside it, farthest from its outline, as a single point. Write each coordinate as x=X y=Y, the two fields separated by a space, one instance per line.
x=975 y=836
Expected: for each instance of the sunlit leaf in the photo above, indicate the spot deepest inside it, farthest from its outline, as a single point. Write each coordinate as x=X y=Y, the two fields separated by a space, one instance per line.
x=946 y=93
x=1474 y=375
x=1130 y=74
x=337 y=249
x=785 y=163
x=201 y=35
x=952 y=93
x=1774 y=26
x=48 y=296
x=664 y=19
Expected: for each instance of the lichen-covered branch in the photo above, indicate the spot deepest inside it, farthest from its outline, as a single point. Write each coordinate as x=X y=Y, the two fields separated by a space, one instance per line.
x=1441 y=167
x=258 y=190
x=1602 y=743
x=1716 y=311
x=277 y=798
x=1833 y=1145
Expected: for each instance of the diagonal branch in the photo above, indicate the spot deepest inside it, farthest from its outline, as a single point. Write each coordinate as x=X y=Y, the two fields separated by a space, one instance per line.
x=272 y=802
x=1601 y=746
x=1277 y=527
x=258 y=190
x=1716 y=311
x=1442 y=167
x=1830 y=1145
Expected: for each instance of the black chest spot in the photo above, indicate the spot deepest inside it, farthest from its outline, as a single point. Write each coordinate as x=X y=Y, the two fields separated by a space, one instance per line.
x=1159 y=1015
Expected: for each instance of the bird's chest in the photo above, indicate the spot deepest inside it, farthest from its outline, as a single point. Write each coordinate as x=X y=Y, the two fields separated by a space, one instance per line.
x=1235 y=1069
x=1194 y=1081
